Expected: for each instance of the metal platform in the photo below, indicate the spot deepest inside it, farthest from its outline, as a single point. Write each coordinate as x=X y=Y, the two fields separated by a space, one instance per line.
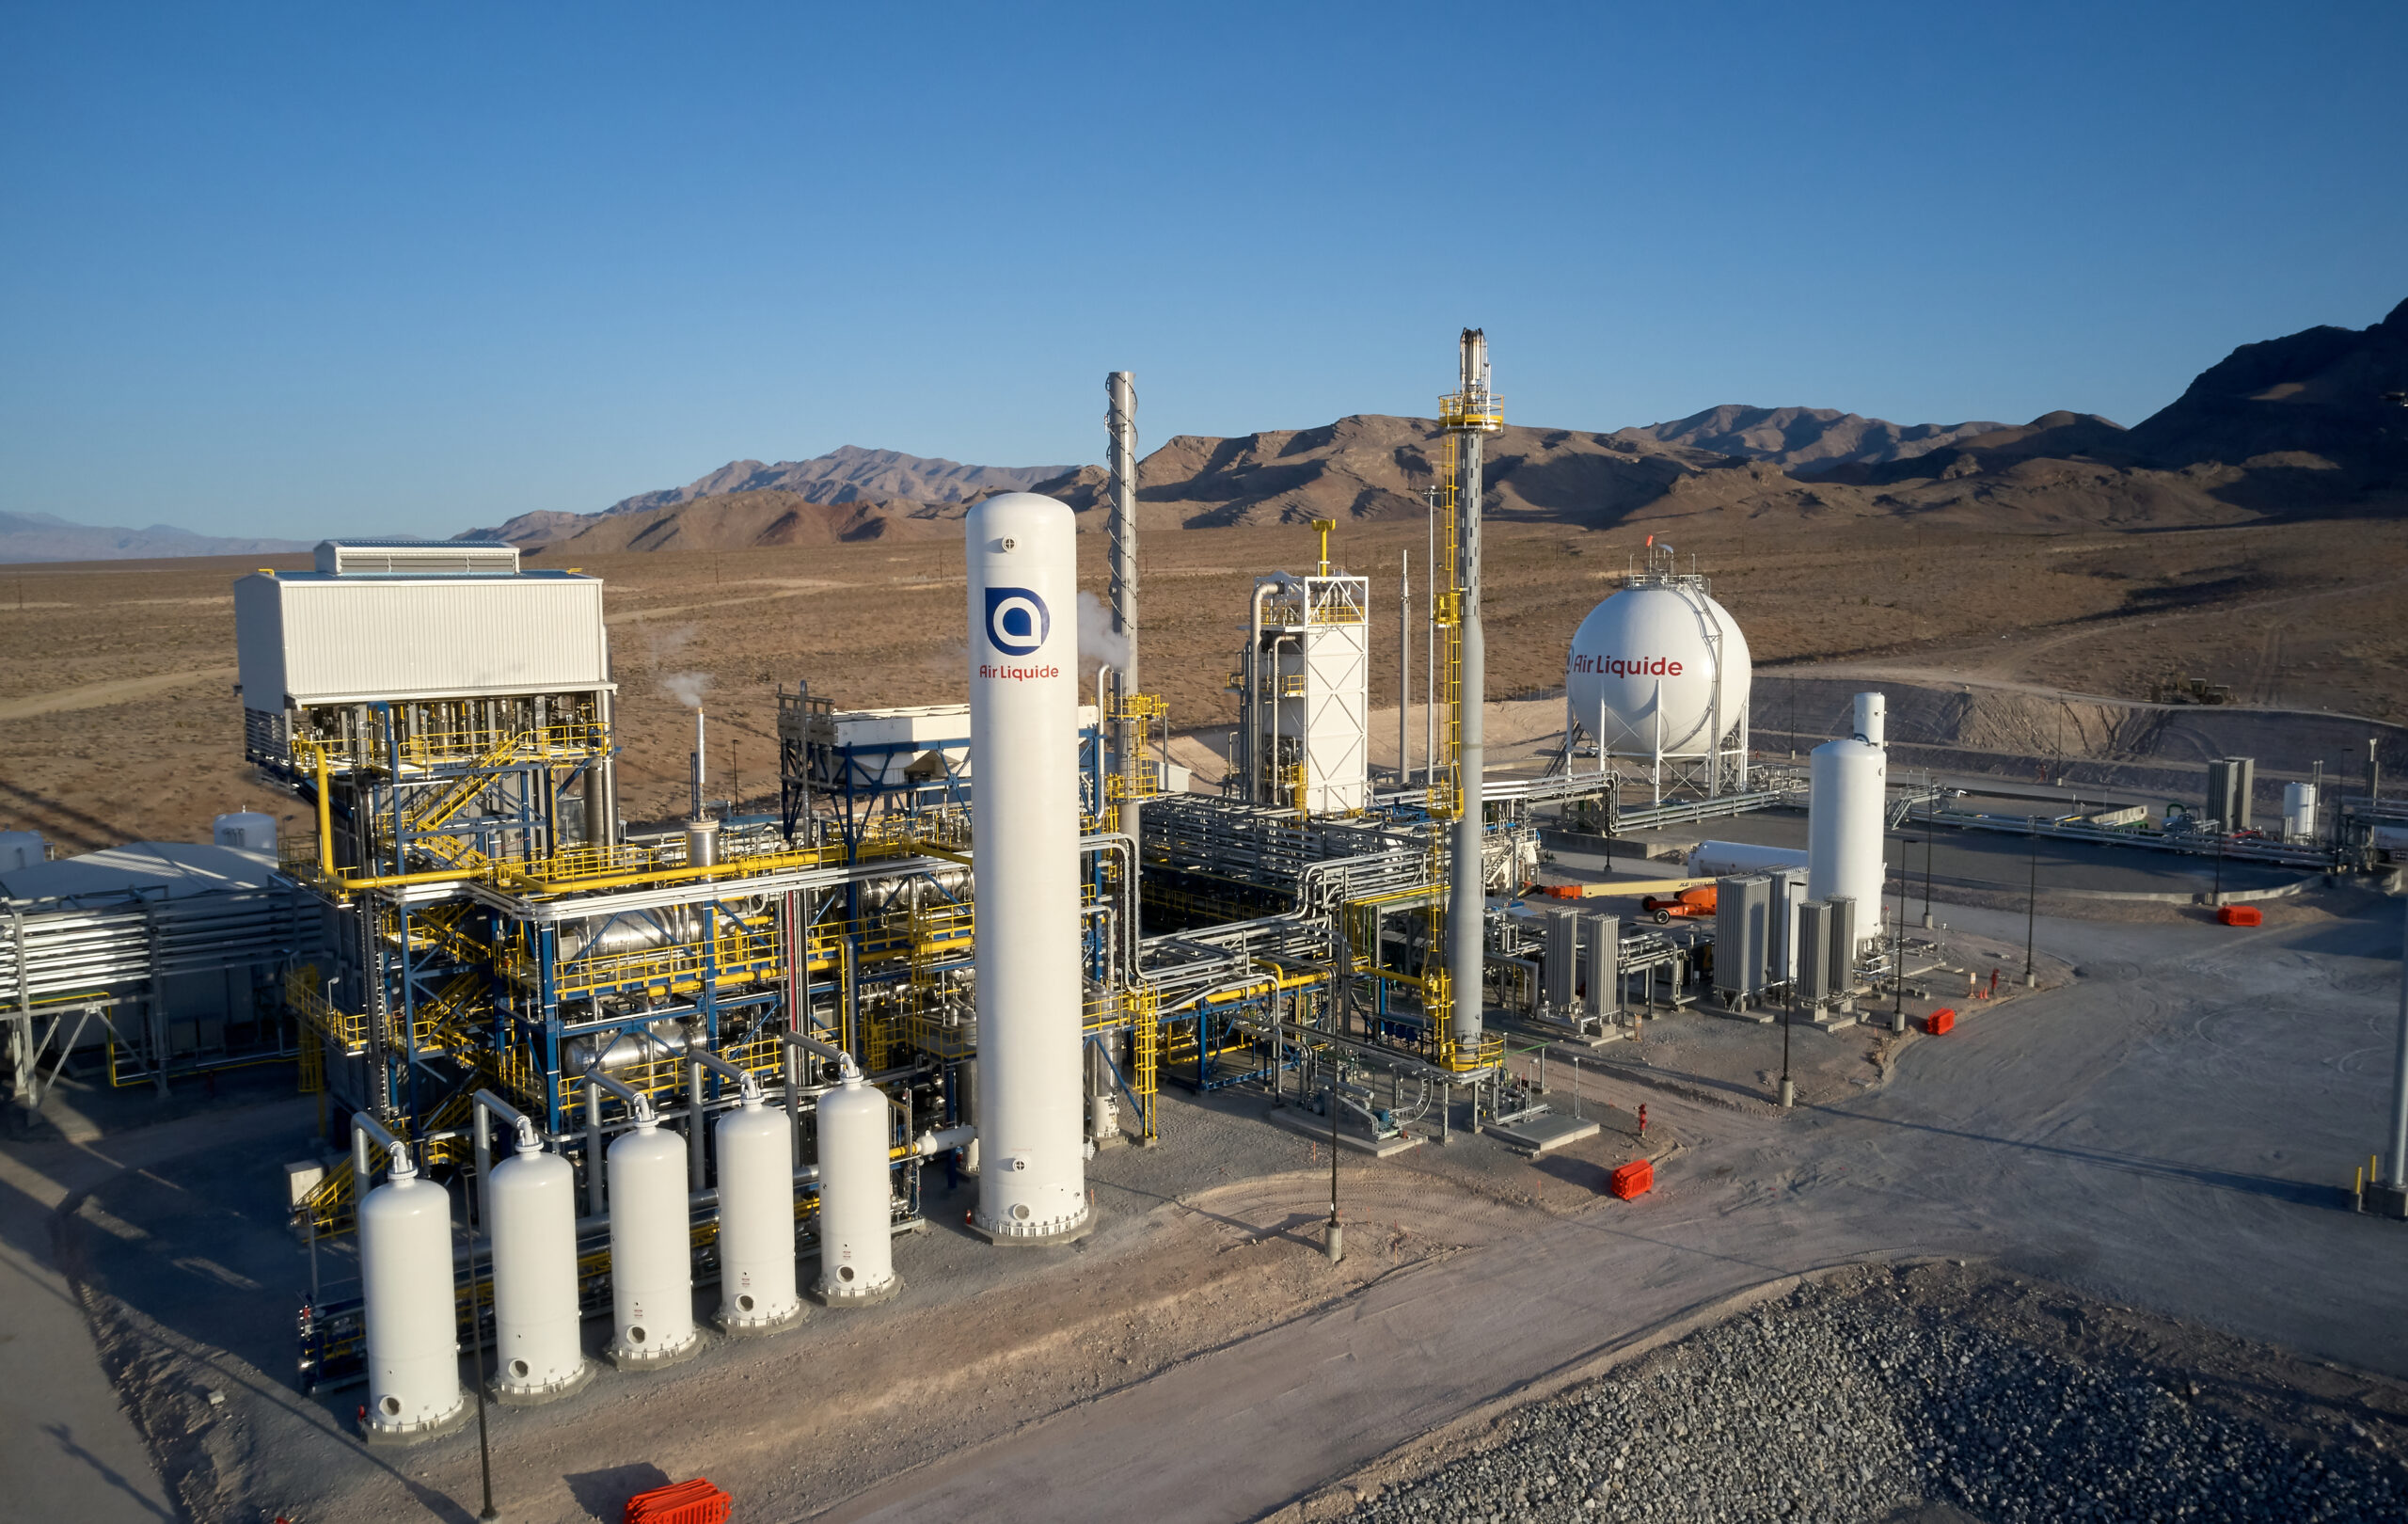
x=1535 y=1136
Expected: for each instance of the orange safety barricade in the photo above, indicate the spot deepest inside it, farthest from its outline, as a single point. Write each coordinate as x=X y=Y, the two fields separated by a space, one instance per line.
x=1940 y=1020
x=680 y=1503
x=2241 y=916
x=1634 y=1179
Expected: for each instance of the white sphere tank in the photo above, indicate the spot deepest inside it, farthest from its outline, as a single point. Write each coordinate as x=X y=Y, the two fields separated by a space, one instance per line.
x=413 y=1331
x=652 y=1265
x=1658 y=662
x=1025 y=817
x=537 y=1351
x=756 y=1274
x=856 y=1216
x=247 y=829
x=1847 y=804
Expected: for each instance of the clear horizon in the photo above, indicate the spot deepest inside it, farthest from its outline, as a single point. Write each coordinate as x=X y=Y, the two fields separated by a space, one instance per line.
x=283 y=272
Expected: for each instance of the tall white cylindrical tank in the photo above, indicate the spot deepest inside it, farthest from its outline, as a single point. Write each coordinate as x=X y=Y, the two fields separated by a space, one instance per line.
x=247 y=829
x=1652 y=668
x=2299 y=811
x=1737 y=859
x=652 y=1266
x=532 y=1198
x=856 y=1219
x=1024 y=815
x=756 y=1274
x=1847 y=796
x=22 y=849
x=405 y=1282
x=1873 y=718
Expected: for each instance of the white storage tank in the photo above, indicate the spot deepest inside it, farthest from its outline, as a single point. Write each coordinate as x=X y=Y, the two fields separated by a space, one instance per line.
x=756 y=1220
x=22 y=849
x=1847 y=797
x=1023 y=763
x=413 y=1333
x=856 y=1215
x=652 y=1265
x=245 y=831
x=2299 y=812
x=1658 y=669
x=537 y=1352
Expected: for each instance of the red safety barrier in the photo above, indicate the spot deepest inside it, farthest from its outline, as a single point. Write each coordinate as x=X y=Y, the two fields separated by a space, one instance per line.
x=1940 y=1020
x=1636 y=1178
x=680 y=1503
x=2241 y=916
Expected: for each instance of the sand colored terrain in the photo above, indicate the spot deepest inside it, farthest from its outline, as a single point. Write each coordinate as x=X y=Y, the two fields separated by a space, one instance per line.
x=118 y=721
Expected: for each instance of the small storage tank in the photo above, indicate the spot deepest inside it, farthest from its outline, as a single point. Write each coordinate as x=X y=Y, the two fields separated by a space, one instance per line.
x=856 y=1226
x=2299 y=812
x=756 y=1220
x=1655 y=667
x=1847 y=795
x=652 y=1263
x=22 y=849
x=405 y=1283
x=537 y=1352
x=247 y=829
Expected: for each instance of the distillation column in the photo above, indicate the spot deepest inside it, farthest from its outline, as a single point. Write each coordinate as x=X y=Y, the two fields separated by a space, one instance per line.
x=1470 y=417
x=1121 y=461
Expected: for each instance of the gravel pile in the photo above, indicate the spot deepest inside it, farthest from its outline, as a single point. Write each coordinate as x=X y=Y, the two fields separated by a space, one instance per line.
x=1828 y=1409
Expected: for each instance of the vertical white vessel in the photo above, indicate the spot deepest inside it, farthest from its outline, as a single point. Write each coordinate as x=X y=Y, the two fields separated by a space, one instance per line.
x=1848 y=793
x=1025 y=817
x=532 y=1195
x=856 y=1197
x=756 y=1274
x=652 y=1262
x=405 y=1281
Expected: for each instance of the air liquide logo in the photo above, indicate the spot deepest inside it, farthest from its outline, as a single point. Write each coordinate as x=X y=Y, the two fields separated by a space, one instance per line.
x=1017 y=621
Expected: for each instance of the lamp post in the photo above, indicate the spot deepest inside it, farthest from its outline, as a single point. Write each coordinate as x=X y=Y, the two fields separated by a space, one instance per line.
x=477 y=1323
x=2032 y=910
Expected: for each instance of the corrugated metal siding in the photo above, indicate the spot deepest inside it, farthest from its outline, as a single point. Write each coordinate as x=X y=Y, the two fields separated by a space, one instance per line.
x=259 y=641
x=351 y=640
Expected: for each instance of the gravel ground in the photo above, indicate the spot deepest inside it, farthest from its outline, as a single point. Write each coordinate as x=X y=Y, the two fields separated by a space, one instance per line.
x=1873 y=1406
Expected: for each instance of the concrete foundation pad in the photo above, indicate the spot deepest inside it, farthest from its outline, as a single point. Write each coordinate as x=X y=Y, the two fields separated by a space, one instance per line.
x=759 y=1328
x=852 y=1299
x=540 y=1396
x=402 y=1438
x=2387 y=1201
x=634 y=1360
x=1067 y=1235
x=1306 y=1124
x=1536 y=1134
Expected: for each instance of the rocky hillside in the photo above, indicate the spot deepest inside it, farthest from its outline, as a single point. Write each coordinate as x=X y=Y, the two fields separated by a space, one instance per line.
x=43 y=537
x=1804 y=442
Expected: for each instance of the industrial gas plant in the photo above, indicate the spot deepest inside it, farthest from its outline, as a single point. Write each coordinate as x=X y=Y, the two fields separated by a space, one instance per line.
x=982 y=935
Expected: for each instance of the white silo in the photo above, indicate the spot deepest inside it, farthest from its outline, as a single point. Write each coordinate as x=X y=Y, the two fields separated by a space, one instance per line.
x=2299 y=812
x=856 y=1215
x=405 y=1282
x=537 y=1352
x=1024 y=821
x=1660 y=672
x=756 y=1219
x=652 y=1265
x=1847 y=797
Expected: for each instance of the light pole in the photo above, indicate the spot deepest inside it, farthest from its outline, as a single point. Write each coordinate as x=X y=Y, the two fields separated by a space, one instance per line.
x=1898 y=950
x=2032 y=910
x=477 y=1324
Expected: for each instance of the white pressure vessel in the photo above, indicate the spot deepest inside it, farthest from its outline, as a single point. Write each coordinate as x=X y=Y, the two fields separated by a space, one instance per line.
x=1872 y=719
x=537 y=1349
x=1024 y=812
x=856 y=1215
x=406 y=1280
x=756 y=1272
x=1848 y=792
x=2299 y=812
x=652 y=1265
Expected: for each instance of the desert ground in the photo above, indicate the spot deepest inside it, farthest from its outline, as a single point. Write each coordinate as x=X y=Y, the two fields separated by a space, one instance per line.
x=119 y=720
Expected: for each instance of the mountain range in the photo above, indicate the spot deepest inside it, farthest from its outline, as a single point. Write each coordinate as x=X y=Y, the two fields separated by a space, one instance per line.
x=44 y=537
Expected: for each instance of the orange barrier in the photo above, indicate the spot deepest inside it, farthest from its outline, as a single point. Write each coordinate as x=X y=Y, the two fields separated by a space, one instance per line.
x=2241 y=916
x=1940 y=1020
x=680 y=1503
x=1634 y=1179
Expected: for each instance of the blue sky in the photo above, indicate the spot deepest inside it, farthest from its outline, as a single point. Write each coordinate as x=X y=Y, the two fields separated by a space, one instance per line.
x=287 y=269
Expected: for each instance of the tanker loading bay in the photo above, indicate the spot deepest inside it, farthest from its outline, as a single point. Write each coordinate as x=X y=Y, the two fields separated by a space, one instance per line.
x=1379 y=1192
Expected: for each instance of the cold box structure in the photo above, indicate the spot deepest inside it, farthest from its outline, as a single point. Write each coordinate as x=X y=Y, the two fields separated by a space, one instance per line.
x=1304 y=714
x=1025 y=818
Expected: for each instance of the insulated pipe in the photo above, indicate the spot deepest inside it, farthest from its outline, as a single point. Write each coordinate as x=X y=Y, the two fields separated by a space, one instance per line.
x=843 y=1060
x=939 y=1140
x=746 y=1085
x=638 y=1102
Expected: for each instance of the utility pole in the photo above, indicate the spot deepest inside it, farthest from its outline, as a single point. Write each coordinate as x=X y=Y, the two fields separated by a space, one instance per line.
x=1333 y=1240
x=1403 y=669
x=2032 y=910
x=1898 y=950
x=2389 y=1196
x=477 y=1322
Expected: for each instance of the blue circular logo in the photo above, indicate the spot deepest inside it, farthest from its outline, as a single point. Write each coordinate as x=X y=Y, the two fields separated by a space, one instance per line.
x=1017 y=621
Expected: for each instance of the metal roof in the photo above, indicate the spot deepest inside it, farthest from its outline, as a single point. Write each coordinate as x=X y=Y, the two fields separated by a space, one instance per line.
x=140 y=869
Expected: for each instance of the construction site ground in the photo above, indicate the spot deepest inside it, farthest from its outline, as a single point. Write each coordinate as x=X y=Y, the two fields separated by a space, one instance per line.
x=2171 y=1128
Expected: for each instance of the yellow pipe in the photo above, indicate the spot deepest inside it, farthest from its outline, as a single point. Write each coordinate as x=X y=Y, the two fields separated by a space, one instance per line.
x=325 y=821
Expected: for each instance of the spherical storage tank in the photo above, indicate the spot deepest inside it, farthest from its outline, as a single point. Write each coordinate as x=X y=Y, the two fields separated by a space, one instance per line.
x=532 y=1196
x=652 y=1265
x=756 y=1219
x=1658 y=662
x=405 y=1284
x=856 y=1226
